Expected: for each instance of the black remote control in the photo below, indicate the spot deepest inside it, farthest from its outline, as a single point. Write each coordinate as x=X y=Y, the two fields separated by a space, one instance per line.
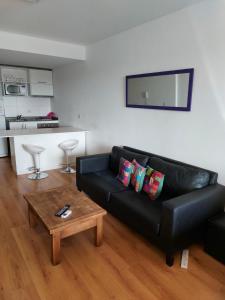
x=62 y=210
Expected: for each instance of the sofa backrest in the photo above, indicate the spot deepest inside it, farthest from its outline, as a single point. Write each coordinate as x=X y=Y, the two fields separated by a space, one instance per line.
x=212 y=175
x=179 y=179
x=118 y=152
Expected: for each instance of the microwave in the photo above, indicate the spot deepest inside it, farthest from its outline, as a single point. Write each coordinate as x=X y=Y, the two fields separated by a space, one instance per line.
x=15 y=89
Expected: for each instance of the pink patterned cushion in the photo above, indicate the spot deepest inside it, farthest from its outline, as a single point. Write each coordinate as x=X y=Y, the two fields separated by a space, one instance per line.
x=137 y=177
x=126 y=168
x=153 y=183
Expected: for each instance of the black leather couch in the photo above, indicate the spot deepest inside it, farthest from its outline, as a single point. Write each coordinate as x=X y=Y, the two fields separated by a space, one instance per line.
x=176 y=219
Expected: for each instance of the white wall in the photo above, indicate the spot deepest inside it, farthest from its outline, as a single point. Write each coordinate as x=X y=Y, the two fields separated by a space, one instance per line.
x=193 y=37
x=26 y=106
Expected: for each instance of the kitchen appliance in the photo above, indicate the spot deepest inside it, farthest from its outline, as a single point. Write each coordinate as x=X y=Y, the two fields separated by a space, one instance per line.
x=3 y=141
x=21 y=122
x=15 y=89
x=48 y=125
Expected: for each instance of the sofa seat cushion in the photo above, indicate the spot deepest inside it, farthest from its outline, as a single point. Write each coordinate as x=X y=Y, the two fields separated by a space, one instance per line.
x=118 y=152
x=180 y=179
x=99 y=185
x=137 y=210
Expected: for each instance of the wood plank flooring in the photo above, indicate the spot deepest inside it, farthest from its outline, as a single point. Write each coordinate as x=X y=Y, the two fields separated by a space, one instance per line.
x=125 y=267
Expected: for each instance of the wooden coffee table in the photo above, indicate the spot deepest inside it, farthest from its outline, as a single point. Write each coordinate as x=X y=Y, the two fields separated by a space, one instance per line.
x=85 y=214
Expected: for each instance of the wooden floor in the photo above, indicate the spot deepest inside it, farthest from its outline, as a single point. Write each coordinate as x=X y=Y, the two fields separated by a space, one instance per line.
x=124 y=267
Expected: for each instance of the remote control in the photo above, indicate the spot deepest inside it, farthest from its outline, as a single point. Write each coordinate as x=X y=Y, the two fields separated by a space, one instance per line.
x=62 y=210
x=184 y=259
x=66 y=214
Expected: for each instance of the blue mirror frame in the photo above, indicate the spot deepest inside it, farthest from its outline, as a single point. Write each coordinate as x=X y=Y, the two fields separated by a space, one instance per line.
x=189 y=71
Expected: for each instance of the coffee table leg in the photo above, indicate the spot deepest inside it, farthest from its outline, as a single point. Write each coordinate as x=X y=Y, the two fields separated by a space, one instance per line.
x=32 y=217
x=56 y=239
x=99 y=231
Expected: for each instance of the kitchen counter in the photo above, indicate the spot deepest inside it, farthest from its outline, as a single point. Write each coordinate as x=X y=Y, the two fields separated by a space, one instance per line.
x=52 y=157
x=31 y=122
x=35 y=131
x=29 y=119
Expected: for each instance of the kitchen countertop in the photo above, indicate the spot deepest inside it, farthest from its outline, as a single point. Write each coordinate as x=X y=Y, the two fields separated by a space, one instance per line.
x=36 y=131
x=29 y=119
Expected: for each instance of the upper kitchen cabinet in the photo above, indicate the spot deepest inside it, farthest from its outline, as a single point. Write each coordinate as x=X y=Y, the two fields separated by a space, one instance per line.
x=40 y=82
x=14 y=75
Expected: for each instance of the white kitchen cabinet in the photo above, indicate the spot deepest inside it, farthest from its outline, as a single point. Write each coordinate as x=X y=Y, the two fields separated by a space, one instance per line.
x=39 y=89
x=40 y=82
x=40 y=76
x=14 y=75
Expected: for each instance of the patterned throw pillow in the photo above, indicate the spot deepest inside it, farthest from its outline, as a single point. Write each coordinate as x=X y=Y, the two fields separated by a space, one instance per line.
x=153 y=183
x=125 y=170
x=137 y=177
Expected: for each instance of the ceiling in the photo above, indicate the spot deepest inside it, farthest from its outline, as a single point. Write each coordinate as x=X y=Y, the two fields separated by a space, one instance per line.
x=82 y=21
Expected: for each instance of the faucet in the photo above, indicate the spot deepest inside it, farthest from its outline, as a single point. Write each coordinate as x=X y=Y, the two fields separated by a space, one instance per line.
x=19 y=117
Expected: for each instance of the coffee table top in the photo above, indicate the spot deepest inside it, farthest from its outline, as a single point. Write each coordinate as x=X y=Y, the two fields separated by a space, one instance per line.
x=46 y=204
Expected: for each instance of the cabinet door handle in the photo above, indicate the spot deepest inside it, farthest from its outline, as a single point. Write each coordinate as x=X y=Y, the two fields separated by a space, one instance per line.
x=42 y=82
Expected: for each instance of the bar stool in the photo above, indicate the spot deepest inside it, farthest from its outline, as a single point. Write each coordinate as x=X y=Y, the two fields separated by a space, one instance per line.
x=35 y=151
x=68 y=146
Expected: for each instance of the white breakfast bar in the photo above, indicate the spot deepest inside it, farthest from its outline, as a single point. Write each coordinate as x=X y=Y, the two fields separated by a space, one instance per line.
x=49 y=138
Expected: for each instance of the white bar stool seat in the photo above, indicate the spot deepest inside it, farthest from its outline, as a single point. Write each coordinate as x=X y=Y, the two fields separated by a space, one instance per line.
x=68 y=146
x=35 y=151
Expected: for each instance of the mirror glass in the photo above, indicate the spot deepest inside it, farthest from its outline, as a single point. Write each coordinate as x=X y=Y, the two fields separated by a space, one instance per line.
x=162 y=90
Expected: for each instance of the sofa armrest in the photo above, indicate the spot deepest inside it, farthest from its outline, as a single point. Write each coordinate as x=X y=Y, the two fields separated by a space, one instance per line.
x=92 y=163
x=184 y=214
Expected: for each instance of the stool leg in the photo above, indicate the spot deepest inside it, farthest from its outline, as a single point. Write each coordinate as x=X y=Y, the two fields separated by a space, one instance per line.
x=68 y=168
x=37 y=175
x=38 y=166
x=68 y=152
